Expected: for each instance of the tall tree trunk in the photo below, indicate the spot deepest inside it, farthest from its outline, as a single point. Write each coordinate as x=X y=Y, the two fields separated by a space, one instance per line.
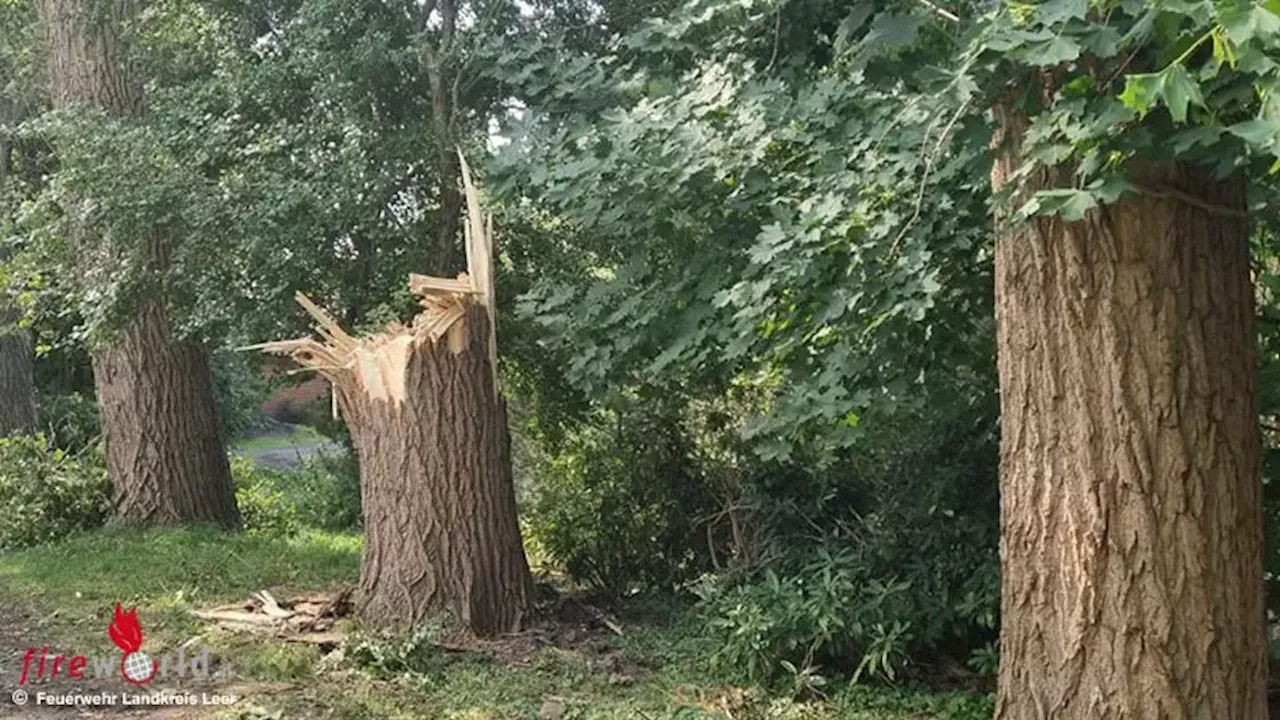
x=443 y=81
x=1131 y=526
x=436 y=487
x=165 y=450
x=17 y=376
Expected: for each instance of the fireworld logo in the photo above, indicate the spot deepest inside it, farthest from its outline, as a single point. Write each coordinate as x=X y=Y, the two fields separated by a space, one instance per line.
x=135 y=666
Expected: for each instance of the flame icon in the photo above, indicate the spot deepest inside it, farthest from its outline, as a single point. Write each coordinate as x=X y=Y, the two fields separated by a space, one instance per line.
x=136 y=667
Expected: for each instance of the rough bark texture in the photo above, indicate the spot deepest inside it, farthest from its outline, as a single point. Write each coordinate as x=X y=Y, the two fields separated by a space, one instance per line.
x=165 y=450
x=1130 y=457
x=17 y=377
x=17 y=381
x=441 y=531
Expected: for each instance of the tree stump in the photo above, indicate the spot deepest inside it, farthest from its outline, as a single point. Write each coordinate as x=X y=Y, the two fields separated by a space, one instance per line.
x=430 y=429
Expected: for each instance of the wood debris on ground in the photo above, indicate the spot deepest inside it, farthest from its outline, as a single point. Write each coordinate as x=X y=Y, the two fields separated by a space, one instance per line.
x=309 y=619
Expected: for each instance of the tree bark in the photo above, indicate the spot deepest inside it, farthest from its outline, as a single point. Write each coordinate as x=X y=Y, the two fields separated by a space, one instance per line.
x=430 y=428
x=17 y=379
x=165 y=450
x=1131 y=526
x=441 y=533
x=17 y=372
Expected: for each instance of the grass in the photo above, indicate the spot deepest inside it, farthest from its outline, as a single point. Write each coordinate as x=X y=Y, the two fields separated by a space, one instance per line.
x=165 y=573
x=299 y=435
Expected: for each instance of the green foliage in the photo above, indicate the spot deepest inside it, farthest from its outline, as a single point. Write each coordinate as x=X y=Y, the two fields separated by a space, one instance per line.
x=70 y=422
x=413 y=654
x=732 y=209
x=284 y=662
x=618 y=502
x=323 y=494
x=264 y=509
x=1130 y=81
x=826 y=612
x=239 y=390
x=47 y=494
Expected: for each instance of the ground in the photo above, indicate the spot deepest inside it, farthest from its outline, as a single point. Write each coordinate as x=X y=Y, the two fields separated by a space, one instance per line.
x=282 y=446
x=570 y=666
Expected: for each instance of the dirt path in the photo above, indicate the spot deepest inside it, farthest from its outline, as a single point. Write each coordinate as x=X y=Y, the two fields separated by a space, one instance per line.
x=289 y=458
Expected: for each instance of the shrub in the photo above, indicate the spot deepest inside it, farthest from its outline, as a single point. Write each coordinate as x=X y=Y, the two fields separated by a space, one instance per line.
x=69 y=421
x=264 y=509
x=617 y=504
x=323 y=494
x=827 y=612
x=47 y=493
x=887 y=553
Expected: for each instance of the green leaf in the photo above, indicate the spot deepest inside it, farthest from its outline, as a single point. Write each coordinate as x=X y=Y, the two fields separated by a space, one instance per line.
x=1054 y=12
x=1195 y=137
x=1179 y=90
x=1054 y=51
x=1110 y=189
x=1071 y=204
x=1245 y=25
x=1142 y=91
x=1261 y=134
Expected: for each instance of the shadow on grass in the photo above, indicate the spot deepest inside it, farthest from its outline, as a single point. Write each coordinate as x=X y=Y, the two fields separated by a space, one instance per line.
x=81 y=579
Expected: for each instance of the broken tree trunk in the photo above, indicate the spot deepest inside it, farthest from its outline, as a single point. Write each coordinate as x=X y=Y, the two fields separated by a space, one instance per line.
x=430 y=428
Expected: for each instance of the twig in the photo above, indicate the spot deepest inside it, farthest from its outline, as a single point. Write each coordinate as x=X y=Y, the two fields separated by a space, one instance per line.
x=1188 y=198
x=924 y=180
x=942 y=12
x=777 y=39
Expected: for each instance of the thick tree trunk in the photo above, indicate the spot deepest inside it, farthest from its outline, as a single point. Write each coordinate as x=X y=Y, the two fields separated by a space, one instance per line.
x=1131 y=538
x=441 y=533
x=430 y=428
x=165 y=450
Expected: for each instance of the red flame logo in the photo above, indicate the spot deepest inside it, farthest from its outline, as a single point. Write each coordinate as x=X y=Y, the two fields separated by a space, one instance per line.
x=125 y=631
x=135 y=666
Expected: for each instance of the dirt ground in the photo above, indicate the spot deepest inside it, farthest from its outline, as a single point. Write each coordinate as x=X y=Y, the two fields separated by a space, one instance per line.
x=20 y=629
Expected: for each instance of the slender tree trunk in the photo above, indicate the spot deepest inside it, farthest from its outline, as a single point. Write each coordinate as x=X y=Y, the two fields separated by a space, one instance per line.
x=436 y=487
x=165 y=450
x=17 y=376
x=17 y=381
x=1131 y=537
x=443 y=81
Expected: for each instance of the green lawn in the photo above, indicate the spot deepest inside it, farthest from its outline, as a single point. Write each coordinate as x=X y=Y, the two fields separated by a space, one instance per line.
x=165 y=573
x=300 y=435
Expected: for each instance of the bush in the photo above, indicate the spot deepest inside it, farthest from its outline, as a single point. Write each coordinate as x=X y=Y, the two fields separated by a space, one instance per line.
x=47 y=493
x=826 y=612
x=323 y=494
x=617 y=504
x=70 y=421
x=887 y=554
x=264 y=509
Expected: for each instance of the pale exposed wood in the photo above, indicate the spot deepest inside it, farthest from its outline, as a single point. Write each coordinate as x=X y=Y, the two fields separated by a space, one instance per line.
x=423 y=284
x=480 y=259
x=326 y=326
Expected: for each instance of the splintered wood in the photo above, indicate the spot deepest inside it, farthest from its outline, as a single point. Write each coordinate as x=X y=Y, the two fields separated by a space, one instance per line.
x=306 y=619
x=376 y=364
